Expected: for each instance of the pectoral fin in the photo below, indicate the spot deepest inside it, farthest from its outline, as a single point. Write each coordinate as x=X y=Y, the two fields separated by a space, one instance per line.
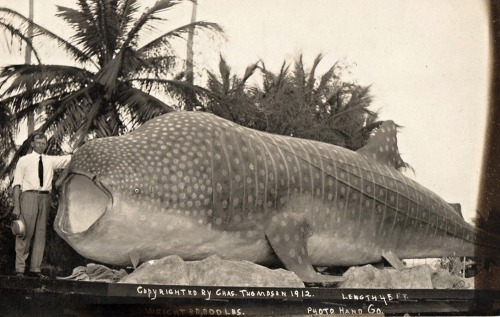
x=287 y=234
x=393 y=260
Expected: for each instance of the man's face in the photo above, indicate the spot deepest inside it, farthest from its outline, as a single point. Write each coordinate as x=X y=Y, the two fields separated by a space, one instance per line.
x=39 y=145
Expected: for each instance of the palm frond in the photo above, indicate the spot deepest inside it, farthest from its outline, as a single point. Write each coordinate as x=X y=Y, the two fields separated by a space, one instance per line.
x=17 y=33
x=32 y=85
x=167 y=85
x=67 y=125
x=159 y=6
x=358 y=101
x=274 y=82
x=86 y=124
x=142 y=106
x=109 y=24
x=109 y=74
x=225 y=73
x=19 y=76
x=163 y=40
x=72 y=50
x=43 y=93
x=249 y=71
x=327 y=77
x=59 y=107
x=158 y=66
x=360 y=96
x=299 y=73
x=213 y=83
x=178 y=90
x=126 y=12
x=27 y=108
x=86 y=28
x=312 y=73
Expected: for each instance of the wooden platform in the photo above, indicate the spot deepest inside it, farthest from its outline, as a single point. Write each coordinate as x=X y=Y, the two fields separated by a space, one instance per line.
x=35 y=297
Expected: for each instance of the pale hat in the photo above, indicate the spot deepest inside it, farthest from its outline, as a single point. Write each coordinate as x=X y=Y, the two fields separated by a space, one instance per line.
x=18 y=228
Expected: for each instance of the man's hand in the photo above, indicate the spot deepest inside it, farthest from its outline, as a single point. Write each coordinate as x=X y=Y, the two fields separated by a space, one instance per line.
x=16 y=212
x=17 y=201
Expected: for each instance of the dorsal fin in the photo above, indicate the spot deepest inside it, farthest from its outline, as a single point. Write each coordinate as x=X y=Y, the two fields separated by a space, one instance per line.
x=383 y=146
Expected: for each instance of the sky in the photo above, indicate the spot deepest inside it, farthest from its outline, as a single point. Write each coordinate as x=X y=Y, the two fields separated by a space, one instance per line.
x=427 y=61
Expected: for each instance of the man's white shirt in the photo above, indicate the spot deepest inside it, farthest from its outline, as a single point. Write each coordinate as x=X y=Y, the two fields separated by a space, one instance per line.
x=26 y=173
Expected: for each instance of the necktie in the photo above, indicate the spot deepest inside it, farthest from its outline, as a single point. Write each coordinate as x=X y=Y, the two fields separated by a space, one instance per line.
x=40 y=171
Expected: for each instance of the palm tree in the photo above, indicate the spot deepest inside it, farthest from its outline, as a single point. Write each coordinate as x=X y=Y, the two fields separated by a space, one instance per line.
x=232 y=99
x=295 y=101
x=116 y=72
x=27 y=60
x=299 y=102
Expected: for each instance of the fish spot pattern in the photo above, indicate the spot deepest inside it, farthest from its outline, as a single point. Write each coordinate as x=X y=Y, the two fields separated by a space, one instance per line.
x=224 y=174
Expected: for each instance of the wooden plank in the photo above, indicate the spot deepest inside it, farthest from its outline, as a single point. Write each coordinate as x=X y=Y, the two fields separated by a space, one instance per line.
x=62 y=297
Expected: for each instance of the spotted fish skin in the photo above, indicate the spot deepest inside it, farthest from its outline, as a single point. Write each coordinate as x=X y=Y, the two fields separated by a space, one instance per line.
x=194 y=185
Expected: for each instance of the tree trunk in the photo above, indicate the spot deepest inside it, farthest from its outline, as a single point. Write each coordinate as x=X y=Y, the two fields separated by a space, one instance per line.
x=27 y=60
x=190 y=54
x=191 y=98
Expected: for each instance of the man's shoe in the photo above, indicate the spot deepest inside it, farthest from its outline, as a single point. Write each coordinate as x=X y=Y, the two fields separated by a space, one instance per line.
x=20 y=274
x=38 y=275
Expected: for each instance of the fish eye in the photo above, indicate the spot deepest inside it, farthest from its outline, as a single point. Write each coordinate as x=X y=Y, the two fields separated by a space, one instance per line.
x=137 y=190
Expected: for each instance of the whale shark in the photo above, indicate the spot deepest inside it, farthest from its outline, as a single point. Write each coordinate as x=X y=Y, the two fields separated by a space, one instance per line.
x=195 y=185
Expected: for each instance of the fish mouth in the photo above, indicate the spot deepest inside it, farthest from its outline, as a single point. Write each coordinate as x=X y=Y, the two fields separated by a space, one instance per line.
x=84 y=200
